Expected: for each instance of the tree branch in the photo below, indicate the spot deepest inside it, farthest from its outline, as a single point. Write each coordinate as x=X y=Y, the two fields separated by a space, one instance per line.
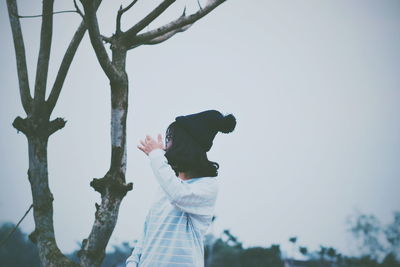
x=166 y=36
x=19 y=47
x=64 y=67
x=106 y=39
x=179 y=23
x=121 y=11
x=54 y=13
x=131 y=33
x=96 y=40
x=79 y=10
x=44 y=51
x=66 y=63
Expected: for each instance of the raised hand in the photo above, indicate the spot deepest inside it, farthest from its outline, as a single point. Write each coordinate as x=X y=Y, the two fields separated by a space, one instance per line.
x=149 y=144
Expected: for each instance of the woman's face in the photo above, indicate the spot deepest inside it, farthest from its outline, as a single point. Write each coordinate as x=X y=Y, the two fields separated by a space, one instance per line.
x=168 y=145
x=168 y=141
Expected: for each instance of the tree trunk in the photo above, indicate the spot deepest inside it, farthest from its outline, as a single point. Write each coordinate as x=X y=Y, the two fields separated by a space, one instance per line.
x=43 y=235
x=37 y=128
x=112 y=186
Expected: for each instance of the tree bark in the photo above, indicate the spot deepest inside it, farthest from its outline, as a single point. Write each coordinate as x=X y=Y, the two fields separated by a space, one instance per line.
x=37 y=129
x=112 y=186
x=22 y=71
x=37 y=126
x=43 y=236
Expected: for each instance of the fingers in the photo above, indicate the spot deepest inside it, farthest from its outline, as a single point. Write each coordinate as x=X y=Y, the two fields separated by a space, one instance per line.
x=142 y=148
x=150 y=144
x=160 y=141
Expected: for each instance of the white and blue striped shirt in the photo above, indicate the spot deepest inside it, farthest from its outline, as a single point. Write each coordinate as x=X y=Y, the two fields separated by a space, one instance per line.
x=174 y=229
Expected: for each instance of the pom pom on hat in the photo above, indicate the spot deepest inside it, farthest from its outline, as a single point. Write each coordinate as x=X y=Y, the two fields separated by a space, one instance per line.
x=227 y=124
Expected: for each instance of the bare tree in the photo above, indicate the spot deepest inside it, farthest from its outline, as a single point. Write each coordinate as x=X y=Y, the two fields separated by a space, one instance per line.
x=112 y=186
x=37 y=125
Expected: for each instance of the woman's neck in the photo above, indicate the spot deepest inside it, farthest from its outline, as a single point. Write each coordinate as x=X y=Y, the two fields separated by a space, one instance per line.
x=184 y=176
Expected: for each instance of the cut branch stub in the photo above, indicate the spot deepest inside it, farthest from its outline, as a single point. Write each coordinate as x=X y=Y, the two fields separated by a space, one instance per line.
x=120 y=189
x=97 y=206
x=56 y=125
x=113 y=186
x=21 y=125
x=84 y=242
x=99 y=185
x=33 y=236
x=38 y=127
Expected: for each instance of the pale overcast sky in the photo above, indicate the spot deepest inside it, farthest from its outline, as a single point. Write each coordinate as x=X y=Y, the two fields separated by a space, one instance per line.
x=315 y=88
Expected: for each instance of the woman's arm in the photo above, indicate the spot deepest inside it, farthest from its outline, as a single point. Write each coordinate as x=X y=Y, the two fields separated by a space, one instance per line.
x=197 y=198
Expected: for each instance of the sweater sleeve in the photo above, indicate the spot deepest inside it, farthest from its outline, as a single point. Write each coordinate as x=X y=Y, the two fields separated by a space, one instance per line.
x=196 y=198
x=133 y=259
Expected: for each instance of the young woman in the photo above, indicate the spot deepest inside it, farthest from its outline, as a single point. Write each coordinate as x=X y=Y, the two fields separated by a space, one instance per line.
x=180 y=215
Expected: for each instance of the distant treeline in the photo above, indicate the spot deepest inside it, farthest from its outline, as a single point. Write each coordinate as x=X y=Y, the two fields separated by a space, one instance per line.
x=227 y=251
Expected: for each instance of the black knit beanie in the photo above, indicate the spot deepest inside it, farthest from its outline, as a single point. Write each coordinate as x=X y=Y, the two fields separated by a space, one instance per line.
x=204 y=126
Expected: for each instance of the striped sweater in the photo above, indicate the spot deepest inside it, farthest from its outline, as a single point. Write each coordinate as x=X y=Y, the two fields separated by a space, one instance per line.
x=174 y=229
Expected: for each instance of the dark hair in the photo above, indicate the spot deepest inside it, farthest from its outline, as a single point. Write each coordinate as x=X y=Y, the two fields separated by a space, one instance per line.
x=186 y=155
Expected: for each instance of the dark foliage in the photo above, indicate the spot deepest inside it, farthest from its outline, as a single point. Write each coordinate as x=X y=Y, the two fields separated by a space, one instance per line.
x=226 y=251
x=18 y=251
